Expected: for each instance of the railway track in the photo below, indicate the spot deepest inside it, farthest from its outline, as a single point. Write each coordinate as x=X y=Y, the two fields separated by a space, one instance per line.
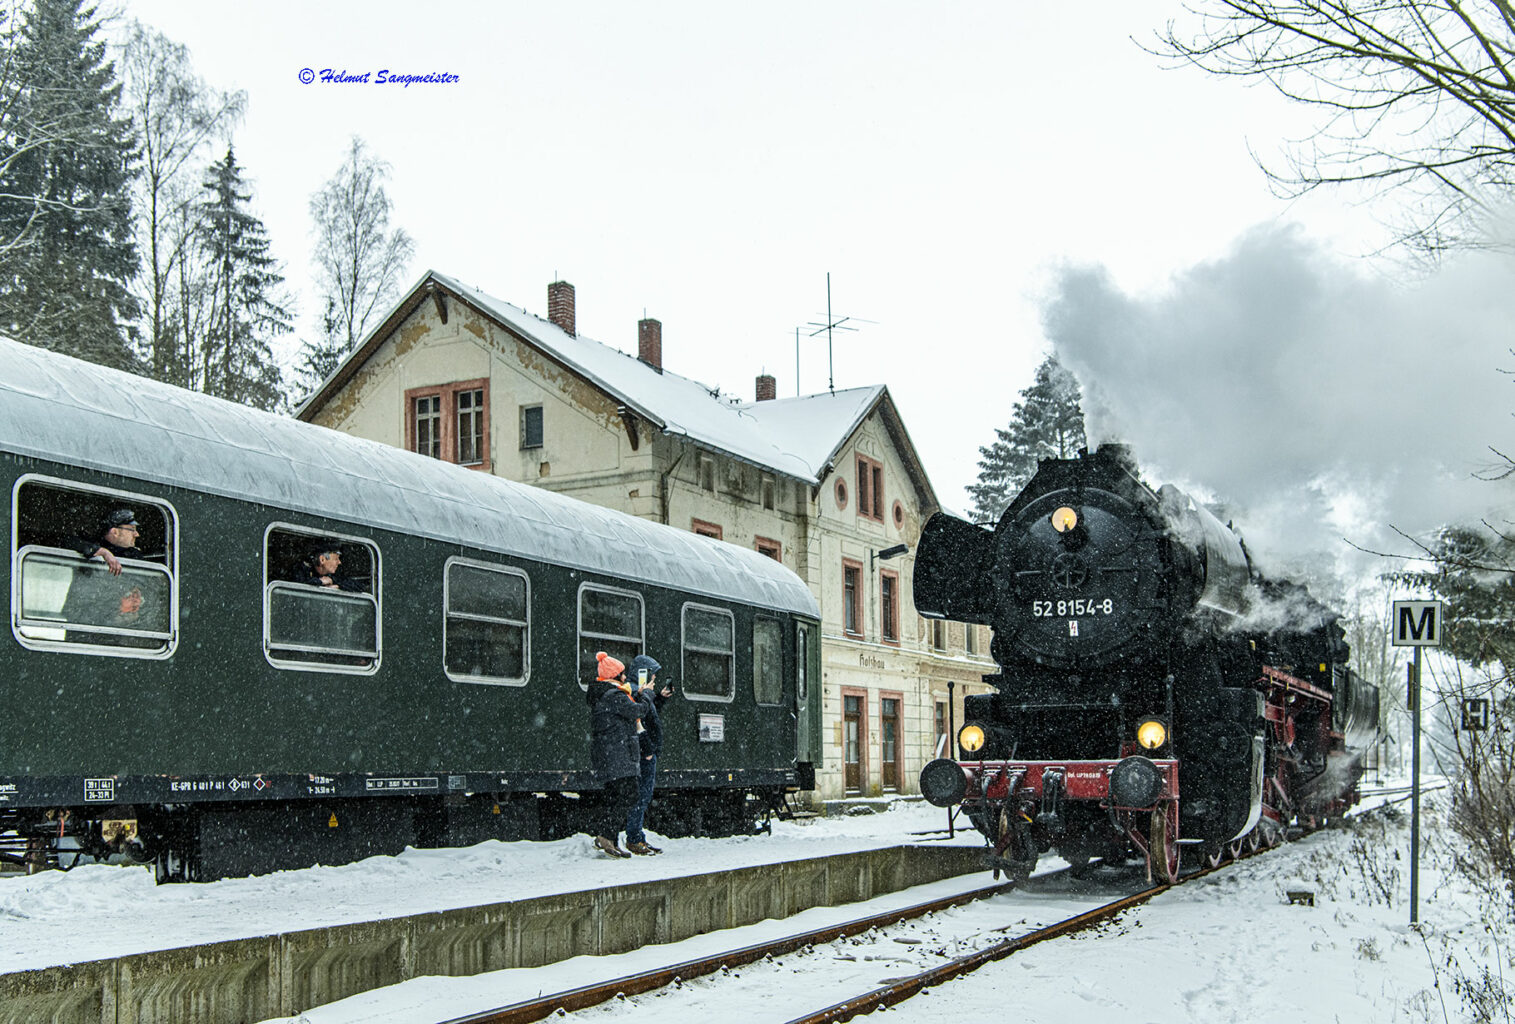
x=866 y=953
x=967 y=950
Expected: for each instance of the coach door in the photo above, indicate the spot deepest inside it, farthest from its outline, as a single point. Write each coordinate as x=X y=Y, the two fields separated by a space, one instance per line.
x=807 y=725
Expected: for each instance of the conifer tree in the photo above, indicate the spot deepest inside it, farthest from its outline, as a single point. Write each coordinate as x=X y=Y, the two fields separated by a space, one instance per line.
x=175 y=115
x=1047 y=423
x=243 y=294
x=67 y=164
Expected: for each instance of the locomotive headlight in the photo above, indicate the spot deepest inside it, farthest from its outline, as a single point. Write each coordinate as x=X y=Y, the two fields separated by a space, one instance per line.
x=1152 y=733
x=971 y=738
x=1064 y=519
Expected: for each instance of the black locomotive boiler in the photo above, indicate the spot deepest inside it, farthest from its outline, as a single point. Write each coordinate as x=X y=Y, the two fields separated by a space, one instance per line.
x=1154 y=688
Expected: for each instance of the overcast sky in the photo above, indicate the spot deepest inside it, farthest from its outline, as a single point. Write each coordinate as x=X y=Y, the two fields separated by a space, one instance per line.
x=963 y=170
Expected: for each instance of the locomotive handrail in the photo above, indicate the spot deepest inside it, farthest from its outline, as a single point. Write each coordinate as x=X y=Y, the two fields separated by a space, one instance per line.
x=1295 y=684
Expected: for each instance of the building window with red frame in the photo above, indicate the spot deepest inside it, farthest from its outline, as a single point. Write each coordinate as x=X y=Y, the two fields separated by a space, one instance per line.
x=470 y=408
x=870 y=488
x=852 y=598
x=772 y=548
x=427 y=424
x=889 y=605
x=449 y=422
x=705 y=529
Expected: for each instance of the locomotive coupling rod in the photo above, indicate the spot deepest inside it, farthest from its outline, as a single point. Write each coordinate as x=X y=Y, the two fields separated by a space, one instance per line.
x=593 y=995
x=904 y=989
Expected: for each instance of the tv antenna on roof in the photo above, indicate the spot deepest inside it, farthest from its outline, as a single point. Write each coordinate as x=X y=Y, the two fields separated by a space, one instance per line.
x=833 y=323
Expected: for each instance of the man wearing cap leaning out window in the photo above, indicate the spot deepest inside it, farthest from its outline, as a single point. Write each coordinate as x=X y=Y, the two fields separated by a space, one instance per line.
x=116 y=540
x=94 y=601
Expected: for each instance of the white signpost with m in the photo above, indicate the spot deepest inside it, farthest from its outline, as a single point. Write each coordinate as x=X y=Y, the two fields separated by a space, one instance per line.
x=1415 y=624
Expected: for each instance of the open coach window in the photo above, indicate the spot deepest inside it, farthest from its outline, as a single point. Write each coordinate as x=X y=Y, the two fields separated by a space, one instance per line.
x=486 y=624
x=66 y=595
x=320 y=601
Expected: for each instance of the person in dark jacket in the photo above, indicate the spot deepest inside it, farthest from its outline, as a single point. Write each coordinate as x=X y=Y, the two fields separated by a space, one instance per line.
x=614 y=717
x=115 y=540
x=643 y=675
x=321 y=569
x=95 y=599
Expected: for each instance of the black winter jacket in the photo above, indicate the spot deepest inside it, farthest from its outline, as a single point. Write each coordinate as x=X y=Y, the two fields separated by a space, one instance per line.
x=87 y=547
x=651 y=736
x=613 y=749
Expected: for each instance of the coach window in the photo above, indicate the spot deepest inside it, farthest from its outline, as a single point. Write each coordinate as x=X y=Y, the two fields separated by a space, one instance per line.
x=767 y=660
x=320 y=614
x=610 y=621
x=65 y=598
x=486 y=624
x=709 y=642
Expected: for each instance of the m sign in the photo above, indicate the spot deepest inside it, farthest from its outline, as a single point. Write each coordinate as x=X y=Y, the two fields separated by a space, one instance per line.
x=1417 y=624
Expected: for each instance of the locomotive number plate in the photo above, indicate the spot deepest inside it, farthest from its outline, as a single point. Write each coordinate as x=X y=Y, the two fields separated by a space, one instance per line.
x=1077 y=608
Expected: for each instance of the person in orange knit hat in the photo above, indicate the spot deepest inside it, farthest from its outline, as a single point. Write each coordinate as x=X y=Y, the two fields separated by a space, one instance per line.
x=614 y=751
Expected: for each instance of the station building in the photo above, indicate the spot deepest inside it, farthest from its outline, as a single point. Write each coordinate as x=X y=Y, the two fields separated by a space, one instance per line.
x=828 y=484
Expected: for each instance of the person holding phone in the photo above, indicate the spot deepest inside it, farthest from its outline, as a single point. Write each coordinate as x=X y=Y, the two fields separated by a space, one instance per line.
x=643 y=673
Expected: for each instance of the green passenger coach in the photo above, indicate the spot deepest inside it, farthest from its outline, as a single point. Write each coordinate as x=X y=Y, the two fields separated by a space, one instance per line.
x=214 y=710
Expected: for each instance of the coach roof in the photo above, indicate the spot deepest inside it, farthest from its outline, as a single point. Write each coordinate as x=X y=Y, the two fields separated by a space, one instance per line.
x=61 y=409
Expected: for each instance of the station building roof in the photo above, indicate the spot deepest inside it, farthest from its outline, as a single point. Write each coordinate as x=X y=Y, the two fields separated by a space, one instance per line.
x=798 y=437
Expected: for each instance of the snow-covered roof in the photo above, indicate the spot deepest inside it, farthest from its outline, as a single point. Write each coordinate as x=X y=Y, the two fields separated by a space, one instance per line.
x=62 y=409
x=797 y=437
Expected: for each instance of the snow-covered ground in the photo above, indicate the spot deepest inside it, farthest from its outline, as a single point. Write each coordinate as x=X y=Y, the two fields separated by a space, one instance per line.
x=1227 y=947
x=96 y=912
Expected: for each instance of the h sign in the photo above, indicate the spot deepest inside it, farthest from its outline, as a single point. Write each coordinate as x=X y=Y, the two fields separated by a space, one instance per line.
x=1475 y=714
x=1417 y=624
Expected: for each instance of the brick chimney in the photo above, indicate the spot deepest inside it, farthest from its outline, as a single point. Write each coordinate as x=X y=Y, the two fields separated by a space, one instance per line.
x=560 y=305
x=650 y=343
x=767 y=387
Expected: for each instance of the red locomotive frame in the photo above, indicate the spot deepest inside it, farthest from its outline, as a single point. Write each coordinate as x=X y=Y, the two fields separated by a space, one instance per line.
x=1298 y=722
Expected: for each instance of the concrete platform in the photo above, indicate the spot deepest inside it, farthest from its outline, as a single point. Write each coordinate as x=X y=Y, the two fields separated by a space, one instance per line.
x=252 y=979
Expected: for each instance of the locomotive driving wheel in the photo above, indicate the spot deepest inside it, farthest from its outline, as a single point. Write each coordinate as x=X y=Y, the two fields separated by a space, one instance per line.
x=1163 y=853
x=1014 y=851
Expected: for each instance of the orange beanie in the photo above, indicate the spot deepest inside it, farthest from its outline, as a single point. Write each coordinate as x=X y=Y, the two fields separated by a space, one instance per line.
x=609 y=667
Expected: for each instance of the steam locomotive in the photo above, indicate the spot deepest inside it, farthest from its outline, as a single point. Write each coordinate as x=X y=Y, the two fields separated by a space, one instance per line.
x=1139 y=651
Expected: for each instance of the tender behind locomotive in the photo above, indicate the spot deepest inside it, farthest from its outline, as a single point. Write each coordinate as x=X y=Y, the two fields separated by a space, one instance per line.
x=1138 y=650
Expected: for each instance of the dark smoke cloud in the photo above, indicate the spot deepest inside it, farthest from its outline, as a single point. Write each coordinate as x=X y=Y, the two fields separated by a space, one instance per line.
x=1318 y=400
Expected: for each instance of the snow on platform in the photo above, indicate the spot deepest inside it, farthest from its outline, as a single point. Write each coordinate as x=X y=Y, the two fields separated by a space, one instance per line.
x=97 y=912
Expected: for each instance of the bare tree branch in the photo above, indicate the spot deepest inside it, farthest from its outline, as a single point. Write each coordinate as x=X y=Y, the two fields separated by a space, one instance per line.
x=1417 y=95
